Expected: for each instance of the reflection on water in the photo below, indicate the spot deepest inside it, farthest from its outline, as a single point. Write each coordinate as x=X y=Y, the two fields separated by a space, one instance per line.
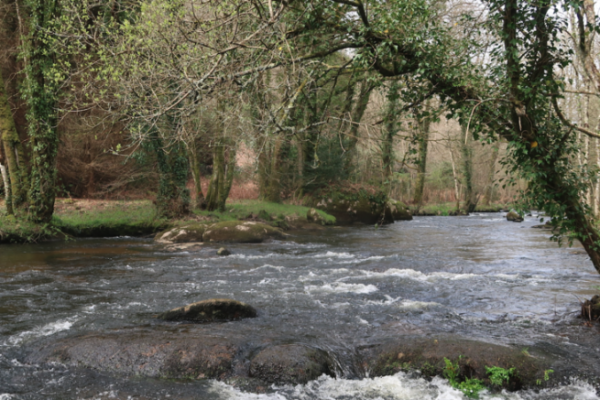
x=477 y=276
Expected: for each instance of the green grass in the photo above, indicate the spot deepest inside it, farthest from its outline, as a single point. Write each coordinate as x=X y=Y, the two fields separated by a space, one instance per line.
x=244 y=208
x=119 y=218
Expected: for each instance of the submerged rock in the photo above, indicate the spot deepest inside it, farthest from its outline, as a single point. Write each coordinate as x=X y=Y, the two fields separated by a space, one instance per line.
x=212 y=310
x=241 y=232
x=292 y=363
x=514 y=217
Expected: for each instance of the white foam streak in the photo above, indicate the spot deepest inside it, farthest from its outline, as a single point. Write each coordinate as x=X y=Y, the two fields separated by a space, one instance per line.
x=340 y=287
x=395 y=387
x=46 y=330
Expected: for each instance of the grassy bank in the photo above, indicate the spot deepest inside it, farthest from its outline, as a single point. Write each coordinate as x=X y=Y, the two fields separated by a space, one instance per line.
x=85 y=218
x=450 y=209
x=104 y=218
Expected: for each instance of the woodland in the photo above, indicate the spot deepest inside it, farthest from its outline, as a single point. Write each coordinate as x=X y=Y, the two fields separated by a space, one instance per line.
x=187 y=101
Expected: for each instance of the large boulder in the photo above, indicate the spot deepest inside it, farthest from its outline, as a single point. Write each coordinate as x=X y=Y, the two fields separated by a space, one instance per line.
x=397 y=210
x=241 y=232
x=292 y=363
x=212 y=310
x=183 y=234
x=514 y=216
x=159 y=352
x=351 y=206
x=428 y=354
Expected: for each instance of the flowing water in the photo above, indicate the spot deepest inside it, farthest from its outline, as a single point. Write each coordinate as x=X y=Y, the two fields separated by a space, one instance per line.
x=479 y=277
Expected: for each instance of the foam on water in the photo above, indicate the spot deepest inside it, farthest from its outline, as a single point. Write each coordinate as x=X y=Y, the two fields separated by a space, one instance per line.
x=341 y=287
x=45 y=330
x=396 y=387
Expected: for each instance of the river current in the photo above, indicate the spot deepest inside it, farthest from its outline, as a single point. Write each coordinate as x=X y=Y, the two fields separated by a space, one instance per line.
x=479 y=277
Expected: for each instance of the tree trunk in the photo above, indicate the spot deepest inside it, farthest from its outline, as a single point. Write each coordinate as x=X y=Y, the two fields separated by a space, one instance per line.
x=467 y=169
x=593 y=122
x=42 y=93
x=196 y=176
x=423 y=125
x=489 y=191
x=212 y=196
x=387 y=144
x=359 y=110
x=7 y=196
x=455 y=178
x=13 y=150
x=227 y=179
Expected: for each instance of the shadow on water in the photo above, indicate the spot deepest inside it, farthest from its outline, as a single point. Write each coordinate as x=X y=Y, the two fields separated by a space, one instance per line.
x=478 y=277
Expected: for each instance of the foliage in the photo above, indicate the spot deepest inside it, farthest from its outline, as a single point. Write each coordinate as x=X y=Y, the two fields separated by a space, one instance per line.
x=498 y=375
x=470 y=387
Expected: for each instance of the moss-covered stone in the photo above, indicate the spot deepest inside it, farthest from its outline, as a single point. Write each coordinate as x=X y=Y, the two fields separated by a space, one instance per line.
x=427 y=355
x=241 y=232
x=350 y=206
x=212 y=310
x=397 y=210
x=514 y=217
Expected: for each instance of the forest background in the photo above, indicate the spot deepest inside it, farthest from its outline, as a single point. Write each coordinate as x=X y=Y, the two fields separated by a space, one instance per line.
x=190 y=103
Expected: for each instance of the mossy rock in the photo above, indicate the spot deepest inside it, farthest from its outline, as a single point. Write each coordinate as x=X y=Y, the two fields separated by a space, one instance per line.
x=397 y=210
x=514 y=217
x=212 y=310
x=241 y=232
x=291 y=364
x=183 y=234
x=351 y=206
x=427 y=355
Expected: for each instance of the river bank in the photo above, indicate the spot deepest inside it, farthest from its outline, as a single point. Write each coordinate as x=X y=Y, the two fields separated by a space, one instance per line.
x=84 y=218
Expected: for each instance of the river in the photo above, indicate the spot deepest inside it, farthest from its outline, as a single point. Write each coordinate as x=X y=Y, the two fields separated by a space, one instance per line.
x=477 y=276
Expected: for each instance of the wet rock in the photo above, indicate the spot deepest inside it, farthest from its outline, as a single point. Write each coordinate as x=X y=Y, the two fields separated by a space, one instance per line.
x=514 y=217
x=212 y=310
x=241 y=232
x=590 y=309
x=158 y=353
x=223 y=252
x=292 y=363
x=427 y=355
x=547 y=225
x=184 y=234
x=397 y=210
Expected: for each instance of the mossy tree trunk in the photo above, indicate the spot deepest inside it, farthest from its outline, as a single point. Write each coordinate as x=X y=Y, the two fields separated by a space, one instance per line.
x=366 y=88
x=42 y=85
x=222 y=176
x=13 y=152
x=423 y=127
x=389 y=131
x=467 y=170
x=173 y=197
x=195 y=168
